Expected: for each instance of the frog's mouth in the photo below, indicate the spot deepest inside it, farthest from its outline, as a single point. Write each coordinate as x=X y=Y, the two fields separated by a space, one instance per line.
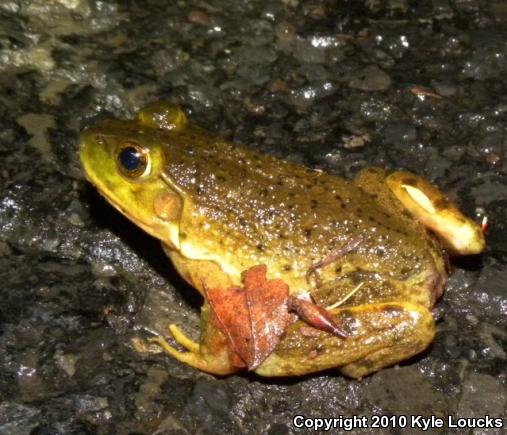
x=166 y=232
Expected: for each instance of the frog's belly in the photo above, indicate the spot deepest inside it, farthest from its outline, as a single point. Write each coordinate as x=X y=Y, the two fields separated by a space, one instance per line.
x=193 y=251
x=234 y=263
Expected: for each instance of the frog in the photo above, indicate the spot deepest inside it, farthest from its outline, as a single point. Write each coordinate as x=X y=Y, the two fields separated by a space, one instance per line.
x=372 y=251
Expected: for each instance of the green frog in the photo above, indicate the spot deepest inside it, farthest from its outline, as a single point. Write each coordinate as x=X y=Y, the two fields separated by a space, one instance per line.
x=371 y=251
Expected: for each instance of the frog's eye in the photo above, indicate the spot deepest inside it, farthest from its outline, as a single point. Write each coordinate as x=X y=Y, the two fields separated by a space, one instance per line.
x=133 y=160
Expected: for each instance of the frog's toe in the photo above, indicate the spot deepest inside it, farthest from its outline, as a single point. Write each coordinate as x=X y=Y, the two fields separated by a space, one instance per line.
x=191 y=358
x=196 y=356
x=461 y=235
x=141 y=346
x=180 y=337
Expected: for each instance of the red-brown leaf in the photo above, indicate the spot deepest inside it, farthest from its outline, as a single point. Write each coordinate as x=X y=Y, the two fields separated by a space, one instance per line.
x=253 y=318
x=230 y=315
x=269 y=314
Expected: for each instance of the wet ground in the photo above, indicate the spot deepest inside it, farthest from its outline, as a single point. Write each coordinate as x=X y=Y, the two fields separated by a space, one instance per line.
x=335 y=85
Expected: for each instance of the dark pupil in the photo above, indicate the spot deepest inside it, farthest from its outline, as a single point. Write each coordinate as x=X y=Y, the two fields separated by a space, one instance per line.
x=130 y=159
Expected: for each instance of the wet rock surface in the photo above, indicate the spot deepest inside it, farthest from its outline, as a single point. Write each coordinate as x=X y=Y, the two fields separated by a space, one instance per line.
x=337 y=86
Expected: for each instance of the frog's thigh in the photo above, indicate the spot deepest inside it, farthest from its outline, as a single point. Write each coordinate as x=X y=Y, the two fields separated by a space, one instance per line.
x=382 y=335
x=411 y=332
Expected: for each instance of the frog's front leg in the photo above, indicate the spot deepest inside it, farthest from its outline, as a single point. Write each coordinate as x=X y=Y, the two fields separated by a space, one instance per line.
x=380 y=335
x=210 y=355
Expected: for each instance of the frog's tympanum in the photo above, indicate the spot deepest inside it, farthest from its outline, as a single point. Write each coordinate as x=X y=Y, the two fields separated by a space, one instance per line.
x=300 y=270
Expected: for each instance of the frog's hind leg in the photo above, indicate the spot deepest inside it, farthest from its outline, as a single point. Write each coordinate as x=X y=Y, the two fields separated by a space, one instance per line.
x=459 y=234
x=402 y=341
x=380 y=335
x=404 y=191
x=410 y=330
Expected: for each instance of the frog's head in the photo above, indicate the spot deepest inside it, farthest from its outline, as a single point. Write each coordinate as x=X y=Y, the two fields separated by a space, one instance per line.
x=125 y=161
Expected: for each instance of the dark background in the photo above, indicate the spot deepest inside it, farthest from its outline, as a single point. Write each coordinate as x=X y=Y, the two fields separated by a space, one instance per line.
x=336 y=85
